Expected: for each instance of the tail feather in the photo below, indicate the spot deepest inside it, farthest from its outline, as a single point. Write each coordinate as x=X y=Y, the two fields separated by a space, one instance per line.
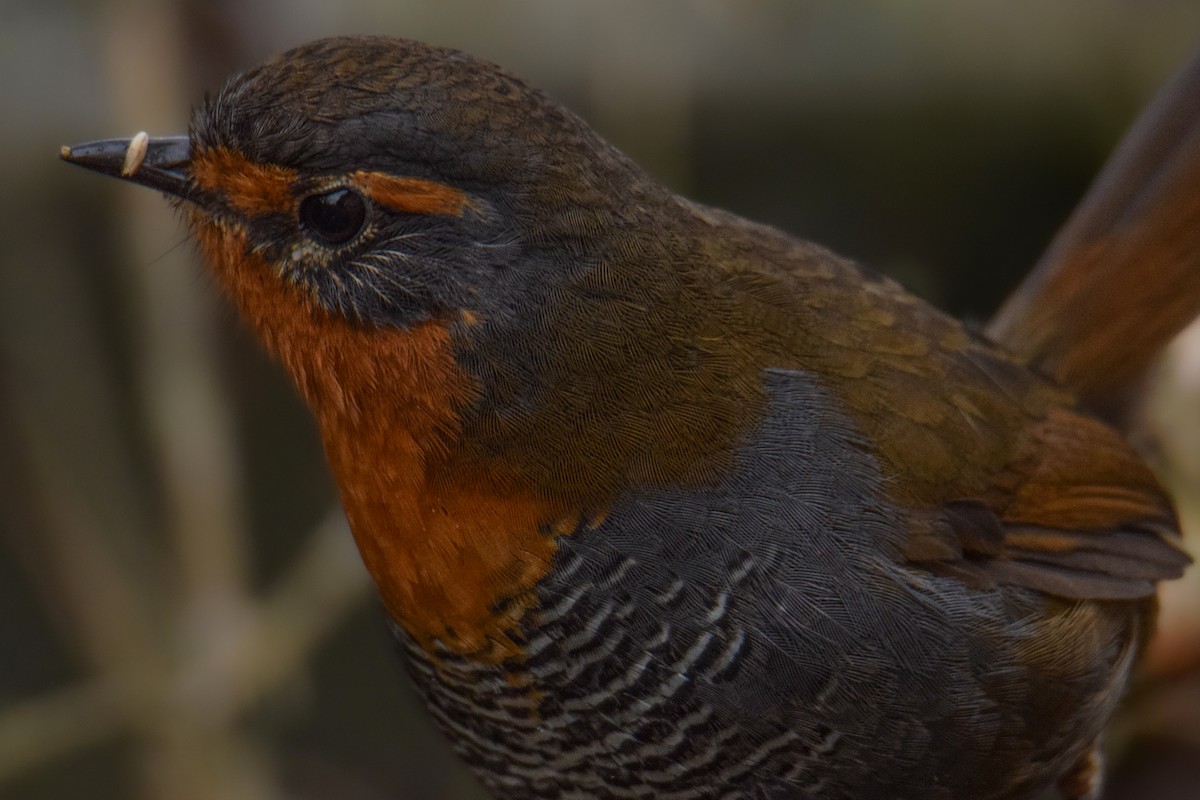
x=1123 y=275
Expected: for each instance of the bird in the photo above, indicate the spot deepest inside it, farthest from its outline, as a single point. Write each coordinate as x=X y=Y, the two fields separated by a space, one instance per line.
x=664 y=503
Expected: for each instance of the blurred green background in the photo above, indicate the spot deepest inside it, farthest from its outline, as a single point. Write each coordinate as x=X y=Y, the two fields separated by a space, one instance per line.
x=182 y=614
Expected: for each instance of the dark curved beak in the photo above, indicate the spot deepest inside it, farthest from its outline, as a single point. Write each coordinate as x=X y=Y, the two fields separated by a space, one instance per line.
x=160 y=163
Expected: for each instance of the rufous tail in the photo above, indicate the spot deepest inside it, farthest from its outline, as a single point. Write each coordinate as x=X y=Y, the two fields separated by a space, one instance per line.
x=1122 y=277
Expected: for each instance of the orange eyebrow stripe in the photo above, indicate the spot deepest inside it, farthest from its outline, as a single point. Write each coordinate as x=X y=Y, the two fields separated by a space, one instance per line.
x=410 y=195
x=257 y=189
x=253 y=189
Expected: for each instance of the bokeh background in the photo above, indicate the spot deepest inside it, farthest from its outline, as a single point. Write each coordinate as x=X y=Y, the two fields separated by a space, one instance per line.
x=182 y=613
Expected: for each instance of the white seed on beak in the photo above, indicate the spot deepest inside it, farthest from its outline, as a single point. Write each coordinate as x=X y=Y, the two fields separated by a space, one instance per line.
x=135 y=154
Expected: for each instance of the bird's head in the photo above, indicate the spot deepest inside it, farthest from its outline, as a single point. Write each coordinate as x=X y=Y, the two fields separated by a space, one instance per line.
x=392 y=181
x=390 y=214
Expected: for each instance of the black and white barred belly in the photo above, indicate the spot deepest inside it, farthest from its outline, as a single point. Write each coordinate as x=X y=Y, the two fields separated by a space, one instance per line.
x=607 y=702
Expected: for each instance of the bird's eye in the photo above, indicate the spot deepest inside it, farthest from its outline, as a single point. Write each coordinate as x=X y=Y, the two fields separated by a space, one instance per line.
x=333 y=217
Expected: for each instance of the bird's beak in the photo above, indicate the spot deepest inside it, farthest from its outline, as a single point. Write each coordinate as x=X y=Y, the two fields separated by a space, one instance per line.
x=159 y=163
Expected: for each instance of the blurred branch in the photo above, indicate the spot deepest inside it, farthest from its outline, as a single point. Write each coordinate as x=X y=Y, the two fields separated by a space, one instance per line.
x=177 y=656
x=324 y=584
x=177 y=367
x=40 y=730
x=109 y=599
x=326 y=581
x=109 y=604
x=188 y=749
x=241 y=664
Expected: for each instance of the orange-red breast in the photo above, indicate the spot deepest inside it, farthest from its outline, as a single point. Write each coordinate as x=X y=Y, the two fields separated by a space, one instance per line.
x=664 y=503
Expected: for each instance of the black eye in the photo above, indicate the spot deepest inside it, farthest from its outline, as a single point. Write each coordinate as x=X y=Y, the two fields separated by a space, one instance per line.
x=334 y=217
